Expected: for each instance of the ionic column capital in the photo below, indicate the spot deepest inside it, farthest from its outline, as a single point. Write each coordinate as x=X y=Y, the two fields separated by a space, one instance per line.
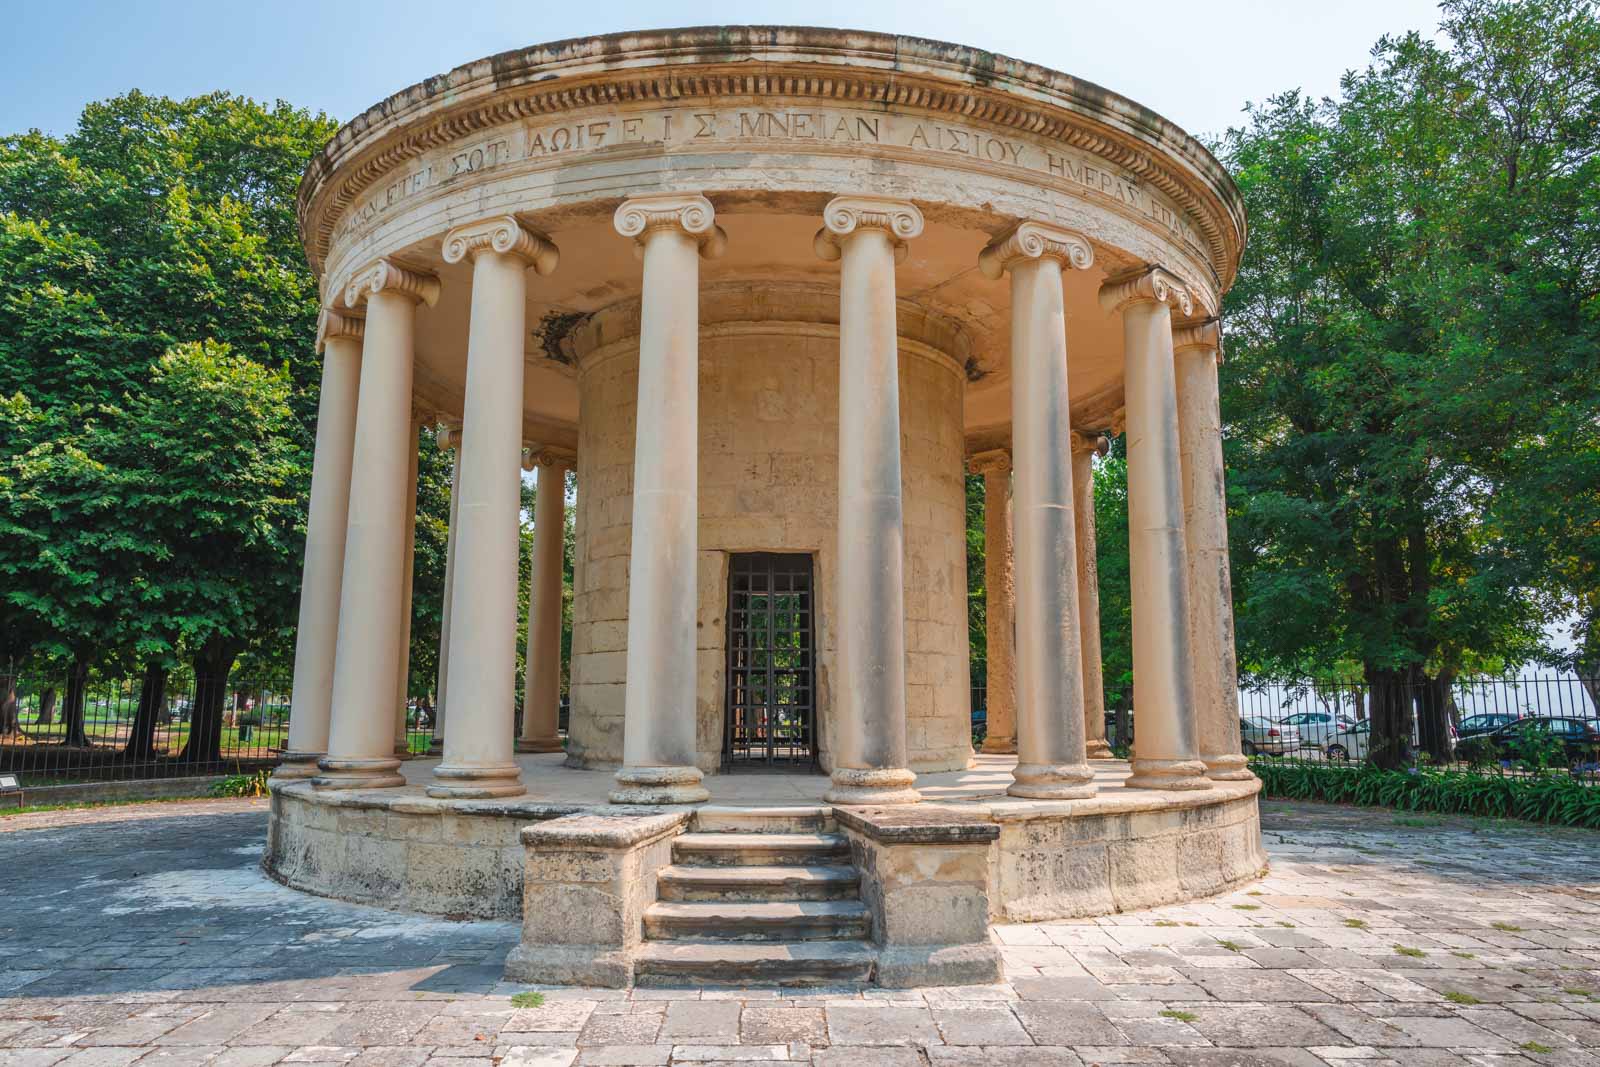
x=845 y=215
x=1097 y=443
x=641 y=217
x=386 y=276
x=448 y=436
x=333 y=323
x=1035 y=240
x=995 y=461
x=547 y=456
x=1148 y=284
x=1203 y=335
x=505 y=235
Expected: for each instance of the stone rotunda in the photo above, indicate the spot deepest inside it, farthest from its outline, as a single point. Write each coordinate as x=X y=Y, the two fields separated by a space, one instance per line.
x=769 y=293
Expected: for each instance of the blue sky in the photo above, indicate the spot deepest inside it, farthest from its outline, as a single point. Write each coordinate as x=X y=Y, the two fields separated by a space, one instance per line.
x=1196 y=62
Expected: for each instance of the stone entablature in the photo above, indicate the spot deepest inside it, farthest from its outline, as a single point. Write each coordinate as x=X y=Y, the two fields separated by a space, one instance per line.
x=817 y=92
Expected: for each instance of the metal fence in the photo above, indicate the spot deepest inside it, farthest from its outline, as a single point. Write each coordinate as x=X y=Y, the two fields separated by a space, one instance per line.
x=1508 y=725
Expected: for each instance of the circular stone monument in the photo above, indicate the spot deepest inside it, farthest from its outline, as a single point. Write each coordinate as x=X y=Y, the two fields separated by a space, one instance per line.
x=770 y=293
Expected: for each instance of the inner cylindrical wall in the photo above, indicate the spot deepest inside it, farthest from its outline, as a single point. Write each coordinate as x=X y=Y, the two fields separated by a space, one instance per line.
x=768 y=482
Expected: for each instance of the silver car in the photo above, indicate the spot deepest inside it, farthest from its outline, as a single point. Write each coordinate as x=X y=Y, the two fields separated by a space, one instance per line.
x=1264 y=737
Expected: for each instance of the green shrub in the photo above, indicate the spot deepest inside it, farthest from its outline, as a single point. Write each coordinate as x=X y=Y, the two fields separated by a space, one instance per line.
x=1477 y=752
x=242 y=785
x=1548 y=797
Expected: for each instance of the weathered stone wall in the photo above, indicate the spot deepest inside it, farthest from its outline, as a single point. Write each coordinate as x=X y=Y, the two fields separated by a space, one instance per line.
x=768 y=478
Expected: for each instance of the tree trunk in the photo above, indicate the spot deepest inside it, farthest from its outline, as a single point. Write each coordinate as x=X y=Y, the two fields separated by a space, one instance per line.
x=47 y=707
x=211 y=666
x=1433 y=721
x=1389 y=744
x=152 y=701
x=72 y=710
x=10 y=715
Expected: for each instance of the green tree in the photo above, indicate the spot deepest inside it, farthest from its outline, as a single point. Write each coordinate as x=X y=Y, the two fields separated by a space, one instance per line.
x=1415 y=310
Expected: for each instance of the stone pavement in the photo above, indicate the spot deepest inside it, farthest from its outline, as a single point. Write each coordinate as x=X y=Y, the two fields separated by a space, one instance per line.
x=148 y=935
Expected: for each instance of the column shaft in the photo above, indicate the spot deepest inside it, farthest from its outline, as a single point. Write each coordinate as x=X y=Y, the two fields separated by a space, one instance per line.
x=541 y=701
x=450 y=438
x=478 y=760
x=659 y=745
x=1166 y=748
x=999 y=605
x=1205 y=523
x=321 y=575
x=1094 y=694
x=1050 y=733
x=361 y=739
x=402 y=737
x=869 y=749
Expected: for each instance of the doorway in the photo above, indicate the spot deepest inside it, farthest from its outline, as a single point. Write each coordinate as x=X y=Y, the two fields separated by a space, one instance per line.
x=771 y=717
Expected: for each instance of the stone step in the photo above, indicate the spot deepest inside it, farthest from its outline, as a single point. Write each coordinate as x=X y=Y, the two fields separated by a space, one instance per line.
x=736 y=963
x=771 y=920
x=759 y=850
x=781 y=882
x=718 y=818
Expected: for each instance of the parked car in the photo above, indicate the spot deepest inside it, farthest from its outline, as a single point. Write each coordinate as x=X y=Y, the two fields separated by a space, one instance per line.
x=1267 y=738
x=1350 y=744
x=1579 y=738
x=1317 y=727
x=1484 y=723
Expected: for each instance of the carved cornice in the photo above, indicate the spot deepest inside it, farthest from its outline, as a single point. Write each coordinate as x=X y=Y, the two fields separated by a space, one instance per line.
x=844 y=215
x=387 y=276
x=1149 y=284
x=548 y=456
x=996 y=461
x=333 y=323
x=1035 y=240
x=448 y=435
x=1205 y=334
x=503 y=234
x=1097 y=443
x=641 y=216
x=766 y=65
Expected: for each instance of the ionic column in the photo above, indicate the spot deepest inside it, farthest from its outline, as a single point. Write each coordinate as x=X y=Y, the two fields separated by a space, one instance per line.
x=478 y=760
x=1166 y=745
x=658 y=748
x=1084 y=448
x=1050 y=747
x=868 y=236
x=448 y=437
x=1197 y=350
x=339 y=341
x=541 y=690
x=361 y=738
x=1000 y=682
x=402 y=739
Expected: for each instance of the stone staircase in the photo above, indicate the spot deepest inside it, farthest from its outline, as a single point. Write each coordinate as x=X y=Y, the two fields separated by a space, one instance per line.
x=758 y=895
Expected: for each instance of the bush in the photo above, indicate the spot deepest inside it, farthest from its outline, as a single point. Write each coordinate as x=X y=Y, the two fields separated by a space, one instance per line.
x=1549 y=798
x=1477 y=753
x=242 y=785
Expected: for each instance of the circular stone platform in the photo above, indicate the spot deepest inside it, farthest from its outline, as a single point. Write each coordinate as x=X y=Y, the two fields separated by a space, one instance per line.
x=1122 y=849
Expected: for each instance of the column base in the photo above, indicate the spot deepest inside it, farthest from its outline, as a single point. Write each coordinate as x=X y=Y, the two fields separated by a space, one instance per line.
x=476 y=782
x=298 y=765
x=860 y=786
x=1229 y=768
x=1168 y=774
x=998 y=746
x=1052 y=781
x=659 y=785
x=1098 y=748
x=376 y=773
x=540 y=744
x=403 y=753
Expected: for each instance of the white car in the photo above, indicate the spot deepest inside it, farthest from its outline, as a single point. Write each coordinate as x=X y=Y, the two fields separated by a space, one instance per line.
x=1317 y=728
x=1267 y=738
x=1349 y=744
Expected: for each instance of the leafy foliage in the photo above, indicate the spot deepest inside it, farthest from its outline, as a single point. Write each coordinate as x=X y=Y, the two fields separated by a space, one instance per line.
x=1547 y=798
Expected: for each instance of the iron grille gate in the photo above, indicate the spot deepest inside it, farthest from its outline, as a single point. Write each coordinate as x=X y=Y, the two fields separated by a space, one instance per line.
x=771 y=717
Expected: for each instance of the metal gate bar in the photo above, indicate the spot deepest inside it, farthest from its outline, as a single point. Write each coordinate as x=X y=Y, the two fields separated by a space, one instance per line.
x=771 y=691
